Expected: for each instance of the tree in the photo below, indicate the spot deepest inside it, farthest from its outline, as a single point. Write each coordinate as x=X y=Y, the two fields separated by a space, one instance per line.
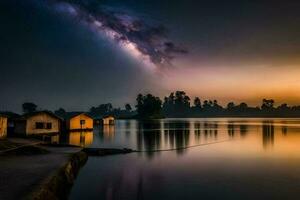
x=267 y=104
x=181 y=99
x=182 y=103
x=197 y=102
x=206 y=105
x=128 y=107
x=243 y=107
x=216 y=106
x=148 y=106
x=169 y=104
x=102 y=109
x=60 y=112
x=283 y=109
x=230 y=106
x=186 y=101
x=29 y=107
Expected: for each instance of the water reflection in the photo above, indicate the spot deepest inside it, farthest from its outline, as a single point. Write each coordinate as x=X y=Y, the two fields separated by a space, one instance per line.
x=75 y=138
x=197 y=130
x=82 y=139
x=177 y=135
x=107 y=132
x=231 y=129
x=268 y=134
x=258 y=153
x=243 y=130
x=149 y=136
x=284 y=130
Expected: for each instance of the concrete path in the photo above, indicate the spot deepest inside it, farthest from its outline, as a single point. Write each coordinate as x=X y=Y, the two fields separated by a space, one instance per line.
x=20 y=174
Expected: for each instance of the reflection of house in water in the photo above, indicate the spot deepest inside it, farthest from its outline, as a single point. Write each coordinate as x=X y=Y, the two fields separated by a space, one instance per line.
x=108 y=132
x=268 y=134
x=80 y=138
x=127 y=128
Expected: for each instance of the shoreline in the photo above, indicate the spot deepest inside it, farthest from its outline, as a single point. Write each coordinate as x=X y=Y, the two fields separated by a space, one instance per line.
x=43 y=172
x=59 y=184
x=37 y=171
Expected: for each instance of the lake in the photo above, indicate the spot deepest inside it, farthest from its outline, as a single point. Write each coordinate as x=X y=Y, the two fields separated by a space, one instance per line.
x=222 y=158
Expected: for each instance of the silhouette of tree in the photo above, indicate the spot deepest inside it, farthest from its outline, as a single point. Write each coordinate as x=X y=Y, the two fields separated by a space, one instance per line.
x=29 y=107
x=102 y=109
x=216 y=106
x=128 y=107
x=178 y=104
x=149 y=106
x=169 y=104
x=206 y=105
x=197 y=102
x=230 y=106
x=267 y=104
x=60 y=112
x=182 y=101
x=243 y=107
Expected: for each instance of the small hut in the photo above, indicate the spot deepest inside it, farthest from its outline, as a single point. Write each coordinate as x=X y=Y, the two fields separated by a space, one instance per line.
x=11 y=116
x=3 y=126
x=78 y=121
x=108 y=120
x=36 y=123
x=104 y=120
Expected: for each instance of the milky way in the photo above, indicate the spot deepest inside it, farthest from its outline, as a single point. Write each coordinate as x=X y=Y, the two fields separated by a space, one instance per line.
x=143 y=40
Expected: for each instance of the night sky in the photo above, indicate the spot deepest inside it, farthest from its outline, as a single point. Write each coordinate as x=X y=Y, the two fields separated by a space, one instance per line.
x=80 y=53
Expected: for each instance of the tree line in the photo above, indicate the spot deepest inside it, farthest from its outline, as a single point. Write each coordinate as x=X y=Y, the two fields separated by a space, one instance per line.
x=179 y=104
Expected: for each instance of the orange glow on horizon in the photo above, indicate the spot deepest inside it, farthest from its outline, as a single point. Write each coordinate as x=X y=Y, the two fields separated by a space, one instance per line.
x=247 y=84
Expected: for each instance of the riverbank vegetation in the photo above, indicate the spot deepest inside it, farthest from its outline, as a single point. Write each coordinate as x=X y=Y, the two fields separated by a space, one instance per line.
x=179 y=105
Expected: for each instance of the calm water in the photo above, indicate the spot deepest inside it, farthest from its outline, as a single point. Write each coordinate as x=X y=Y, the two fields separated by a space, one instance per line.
x=254 y=159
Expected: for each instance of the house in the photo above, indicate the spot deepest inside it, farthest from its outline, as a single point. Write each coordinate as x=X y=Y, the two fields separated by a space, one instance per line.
x=78 y=121
x=11 y=116
x=104 y=120
x=35 y=123
x=3 y=126
x=108 y=120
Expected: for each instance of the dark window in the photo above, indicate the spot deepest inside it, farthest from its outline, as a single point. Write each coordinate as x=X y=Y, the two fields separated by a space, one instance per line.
x=39 y=125
x=82 y=122
x=49 y=126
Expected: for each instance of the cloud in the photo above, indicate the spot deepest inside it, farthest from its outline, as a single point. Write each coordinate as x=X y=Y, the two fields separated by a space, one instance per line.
x=146 y=40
